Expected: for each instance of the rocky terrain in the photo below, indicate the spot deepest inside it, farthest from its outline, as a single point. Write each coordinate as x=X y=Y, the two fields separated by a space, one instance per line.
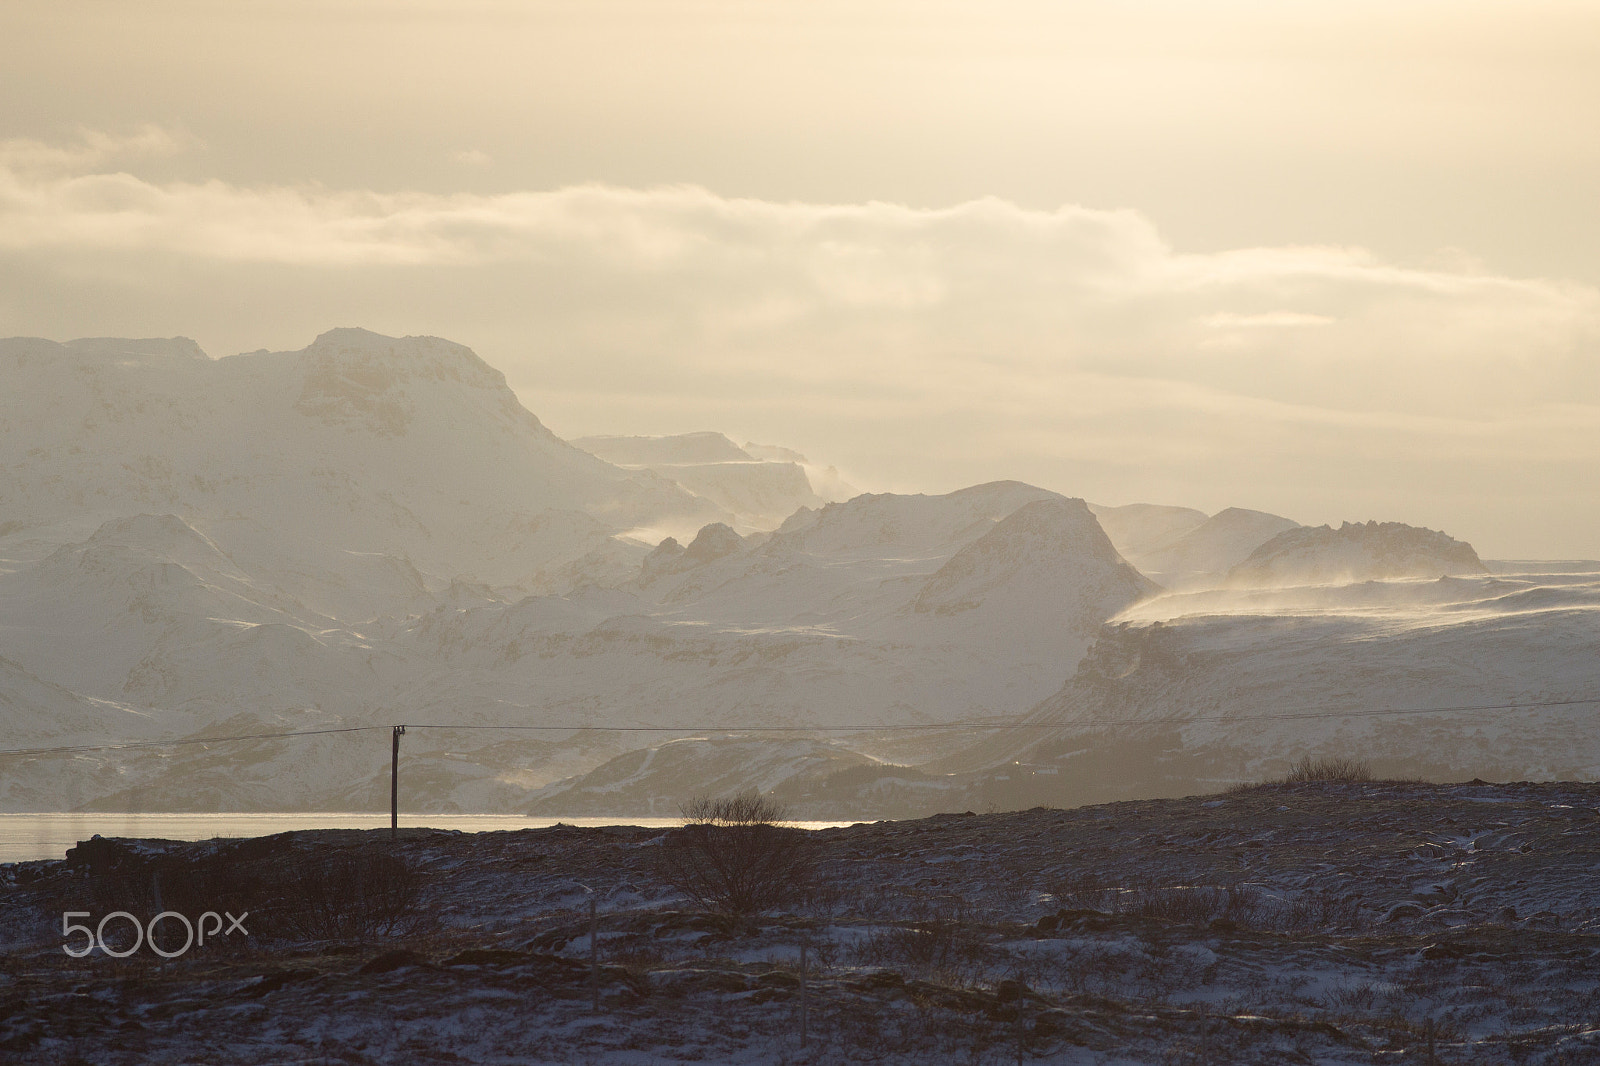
x=1320 y=923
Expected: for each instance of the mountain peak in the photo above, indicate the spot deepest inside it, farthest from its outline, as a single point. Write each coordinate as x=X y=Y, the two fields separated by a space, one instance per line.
x=357 y=377
x=1041 y=545
x=713 y=542
x=705 y=446
x=142 y=349
x=1356 y=551
x=350 y=335
x=426 y=357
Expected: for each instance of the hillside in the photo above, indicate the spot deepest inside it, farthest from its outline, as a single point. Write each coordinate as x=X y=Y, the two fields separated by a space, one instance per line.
x=372 y=530
x=1182 y=548
x=1140 y=528
x=818 y=624
x=1215 y=687
x=411 y=448
x=1371 y=551
x=1338 y=924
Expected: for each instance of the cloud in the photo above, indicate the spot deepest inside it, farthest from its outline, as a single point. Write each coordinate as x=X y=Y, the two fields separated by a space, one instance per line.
x=471 y=157
x=1037 y=289
x=1266 y=320
x=925 y=347
x=93 y=148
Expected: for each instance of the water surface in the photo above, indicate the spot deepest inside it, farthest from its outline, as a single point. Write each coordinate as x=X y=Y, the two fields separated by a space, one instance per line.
x=24 y=837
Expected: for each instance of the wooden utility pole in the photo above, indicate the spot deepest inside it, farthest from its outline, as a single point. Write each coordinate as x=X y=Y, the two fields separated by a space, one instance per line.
x=155 y=890
x=394 y=784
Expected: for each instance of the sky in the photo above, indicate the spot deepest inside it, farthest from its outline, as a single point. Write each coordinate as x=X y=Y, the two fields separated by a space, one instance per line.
x=1334 y=260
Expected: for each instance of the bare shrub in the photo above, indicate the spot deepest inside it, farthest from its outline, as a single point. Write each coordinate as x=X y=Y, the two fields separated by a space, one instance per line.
x=1188 y=904
x=348 y=895
x=1314 y=913
x=1243 y=906
x=1085 y=891
x=1328 y=768
x=944 y=943
x=731 y=858
x=294 y=893
x=742 y=808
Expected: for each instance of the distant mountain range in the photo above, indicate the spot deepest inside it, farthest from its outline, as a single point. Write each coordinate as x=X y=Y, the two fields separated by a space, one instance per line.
x=759 y=484
x=373 y=530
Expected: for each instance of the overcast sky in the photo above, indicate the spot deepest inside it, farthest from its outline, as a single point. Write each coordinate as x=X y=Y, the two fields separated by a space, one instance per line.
x=1336 y=260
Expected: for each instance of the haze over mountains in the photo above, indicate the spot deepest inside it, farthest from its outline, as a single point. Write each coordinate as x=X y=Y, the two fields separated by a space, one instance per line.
x=374 y=530
x=759 y=484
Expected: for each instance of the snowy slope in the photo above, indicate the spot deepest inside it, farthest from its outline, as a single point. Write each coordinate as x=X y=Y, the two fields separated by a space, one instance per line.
x=1204 y=553
x=1051 y=551
x=1044 y=579
x=820 y=623
x=1242 y=683
x=887 y=610
x=1140 y=528
x=655 y=781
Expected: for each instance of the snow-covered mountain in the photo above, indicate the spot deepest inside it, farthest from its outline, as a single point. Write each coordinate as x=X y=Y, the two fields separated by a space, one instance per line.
x=654 y=781
x=760 y=485
x=1137 y=529
x=410 y=448
x=1182 y=548
x=1191 y=691
x=373 y=531
x=1371 y=551
x=883 y=611
x=831 y=620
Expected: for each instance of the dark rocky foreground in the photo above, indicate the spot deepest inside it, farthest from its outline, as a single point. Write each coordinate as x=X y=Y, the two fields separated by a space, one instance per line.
x=1323 y=923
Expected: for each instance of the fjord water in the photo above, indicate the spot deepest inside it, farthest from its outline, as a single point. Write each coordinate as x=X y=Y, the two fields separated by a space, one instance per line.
x=27 y=837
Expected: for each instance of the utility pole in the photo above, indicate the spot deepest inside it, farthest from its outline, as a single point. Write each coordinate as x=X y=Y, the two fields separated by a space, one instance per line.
x=155 y=890
x=394 y=784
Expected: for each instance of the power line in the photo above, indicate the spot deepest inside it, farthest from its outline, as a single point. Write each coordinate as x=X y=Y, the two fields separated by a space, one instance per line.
x=134 y=745
x=1021 y=723
x=968 y=724
x=925 y=727
x=1290 y=716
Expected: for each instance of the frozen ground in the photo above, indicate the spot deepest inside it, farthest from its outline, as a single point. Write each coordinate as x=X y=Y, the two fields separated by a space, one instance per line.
x=1328 y=923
